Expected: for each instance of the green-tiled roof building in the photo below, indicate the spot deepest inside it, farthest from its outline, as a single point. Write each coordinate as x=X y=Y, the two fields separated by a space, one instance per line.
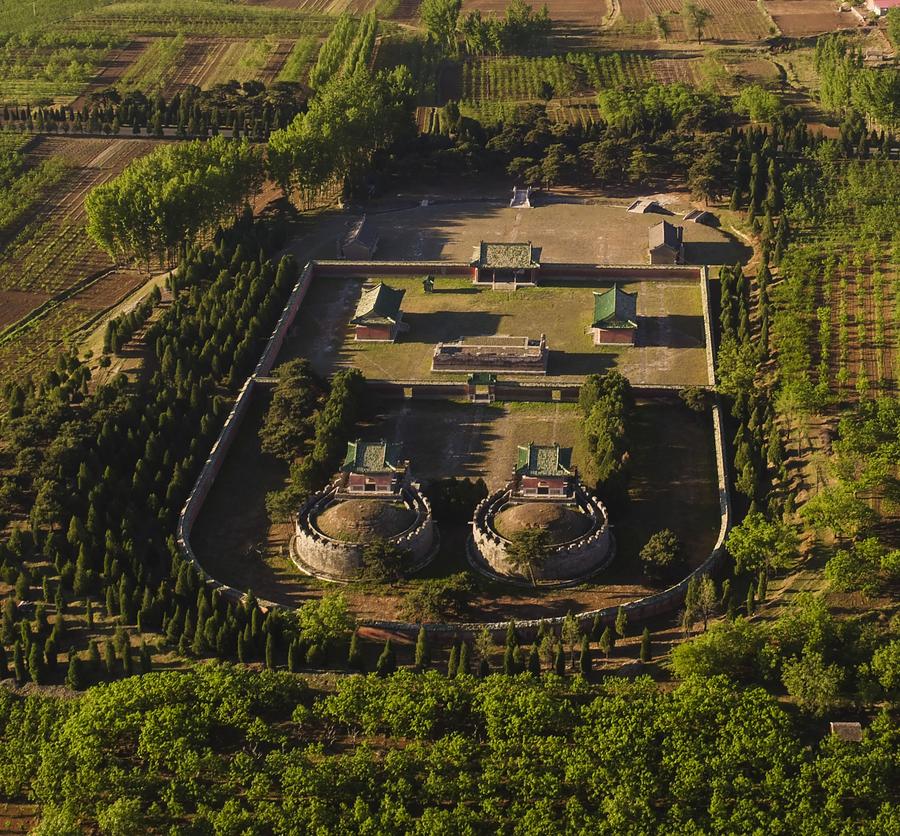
x=373 y=466
x=615 y=316
x=378 y=313
x=513 y=261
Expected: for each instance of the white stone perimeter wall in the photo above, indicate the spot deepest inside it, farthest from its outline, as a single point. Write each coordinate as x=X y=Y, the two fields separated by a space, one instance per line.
x=317 y=554
x=568 y=561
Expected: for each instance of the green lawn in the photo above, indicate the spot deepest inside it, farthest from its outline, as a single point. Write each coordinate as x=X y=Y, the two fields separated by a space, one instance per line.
x=670 y=332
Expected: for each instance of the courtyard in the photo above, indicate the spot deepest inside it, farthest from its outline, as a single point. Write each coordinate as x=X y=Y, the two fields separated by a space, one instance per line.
x=669 y=347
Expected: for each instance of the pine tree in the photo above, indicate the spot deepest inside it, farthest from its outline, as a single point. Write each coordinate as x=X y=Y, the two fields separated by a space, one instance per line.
x=74 y=676
x=423 y=651
x=387 y=661
x=453 y=662
x=646 y=654
x=584 y=660
x=465 y=663
x=355 y=659
x=606 y=642
x=270 y=651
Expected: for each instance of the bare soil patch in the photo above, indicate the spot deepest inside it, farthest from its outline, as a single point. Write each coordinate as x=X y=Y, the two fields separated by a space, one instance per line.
x=798 y=19
x=14 y=304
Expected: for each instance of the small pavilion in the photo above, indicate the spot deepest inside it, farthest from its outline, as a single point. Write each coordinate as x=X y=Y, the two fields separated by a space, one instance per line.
x=378 y=316
x=505 y=263
x=373 y=467
x=615 y=316
x=544 y=470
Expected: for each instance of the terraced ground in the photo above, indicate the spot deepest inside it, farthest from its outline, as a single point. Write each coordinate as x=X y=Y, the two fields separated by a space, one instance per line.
x=47 y=258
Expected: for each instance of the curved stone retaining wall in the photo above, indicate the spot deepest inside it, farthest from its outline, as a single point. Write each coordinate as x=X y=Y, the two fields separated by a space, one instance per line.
x=315 y=553
x=642 y=609
x=577 y=558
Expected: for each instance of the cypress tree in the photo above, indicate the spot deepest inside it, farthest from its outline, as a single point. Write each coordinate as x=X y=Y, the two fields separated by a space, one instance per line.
x=606 y=642
x=584 y=659
x=534 y=661
x=762 y=586
x=36 y=664
x=292 y=657
x=465 y=664
x=559 y=663
x=453 y=662
x=355 y=660
x=4 y=663
x=146 y=658
x=109 y=657
x=241 y=648
x=387 y=661
x=621 y=622
x=89 y=613
x=751 y=602
x=512 y=640
x=645 y=646
x=595 y=627
x=270 y=651
x=94 y=658
x=50 y=654
x=509 y=661
x=74 y=676
x=127 y=666
x=484 y=668
x=423 y=651
x=19 y=663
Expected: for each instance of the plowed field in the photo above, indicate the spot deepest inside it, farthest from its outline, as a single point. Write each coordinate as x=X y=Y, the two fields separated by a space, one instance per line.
x=732 y=21
x=810 y=17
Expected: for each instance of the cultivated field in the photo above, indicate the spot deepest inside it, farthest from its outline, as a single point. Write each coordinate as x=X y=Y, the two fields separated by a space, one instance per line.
x=810 y=17
x=733 y=21
x=669 y=347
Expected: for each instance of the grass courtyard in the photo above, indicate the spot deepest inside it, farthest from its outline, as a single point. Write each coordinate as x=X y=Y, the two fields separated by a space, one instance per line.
x=669 y=346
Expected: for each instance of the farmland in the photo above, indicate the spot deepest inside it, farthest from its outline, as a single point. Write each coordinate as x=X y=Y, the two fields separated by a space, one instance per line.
x=732 y=21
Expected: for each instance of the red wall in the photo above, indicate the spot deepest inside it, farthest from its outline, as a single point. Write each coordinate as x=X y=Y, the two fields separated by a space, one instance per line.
x=556 y=485
x=373 y=332
x=357 y=481
x=614 y=335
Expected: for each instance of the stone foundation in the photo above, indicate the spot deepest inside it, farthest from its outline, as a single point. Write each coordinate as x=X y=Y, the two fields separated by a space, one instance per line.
x=566 y=561
x=315 y=553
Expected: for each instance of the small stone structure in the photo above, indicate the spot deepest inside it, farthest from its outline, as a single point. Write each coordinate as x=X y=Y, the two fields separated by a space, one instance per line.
x=515 y=355
x=316 y=553
x=666 y=243
x=581 y=555
x=521 y=198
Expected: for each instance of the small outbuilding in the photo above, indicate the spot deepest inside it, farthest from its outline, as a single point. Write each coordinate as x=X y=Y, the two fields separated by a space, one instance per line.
x=666 y=243
x=360 y=242
x=373 y=467
x=644 y=205
x=378 y=316
x=882 y=7
x=701 y=216
x=505 y=262
x=615 y=316
x=544 y=470
x=851 y=732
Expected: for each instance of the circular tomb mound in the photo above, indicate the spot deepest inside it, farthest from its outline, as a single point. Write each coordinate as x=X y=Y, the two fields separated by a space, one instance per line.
x=562 y=523
x=365 y=520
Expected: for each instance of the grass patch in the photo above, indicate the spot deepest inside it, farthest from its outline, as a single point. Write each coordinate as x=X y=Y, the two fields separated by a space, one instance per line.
x=242 y=61
x=155 y=67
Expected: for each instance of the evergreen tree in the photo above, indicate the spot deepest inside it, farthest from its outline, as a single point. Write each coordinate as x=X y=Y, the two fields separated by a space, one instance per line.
x=559 y=663
x=512 y=640
x=242 y=649
x=534 y=661
x=355 y=659
x=93 y=658
x=74 y=675
x=127 y=662
x=387 y=661
x=146 y=658
x=646 y=654
x=584 y=660
x=484 y=668
x=621 y=622
x=109 y=658
x=4 y=663
x=36 y=664
x=89 y=614
x=465 y=664
x=751 y=601
x=453 y=662
x=19 y=663
x=509 y=661
x=423 y=651
x=292 y=657
x=270 y=651
x=606 y=642
x=762 y=586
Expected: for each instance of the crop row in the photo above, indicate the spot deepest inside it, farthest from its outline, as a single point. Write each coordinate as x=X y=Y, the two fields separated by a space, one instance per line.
x=152 y=71
x=298 y=63
x=333 y=51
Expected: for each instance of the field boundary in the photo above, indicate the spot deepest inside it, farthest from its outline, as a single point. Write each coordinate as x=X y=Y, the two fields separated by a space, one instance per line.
x=660 y=603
